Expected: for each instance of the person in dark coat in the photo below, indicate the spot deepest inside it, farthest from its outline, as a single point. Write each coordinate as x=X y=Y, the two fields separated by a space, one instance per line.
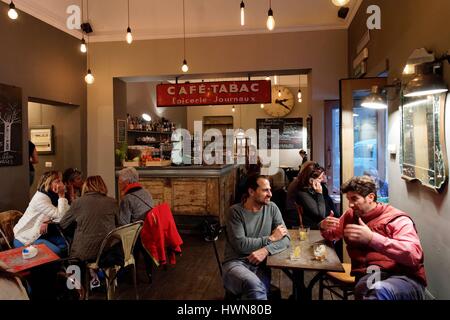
x=308 y=192
x=95 y=215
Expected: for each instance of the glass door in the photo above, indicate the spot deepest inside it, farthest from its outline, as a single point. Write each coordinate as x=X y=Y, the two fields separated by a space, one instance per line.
x=363 y=135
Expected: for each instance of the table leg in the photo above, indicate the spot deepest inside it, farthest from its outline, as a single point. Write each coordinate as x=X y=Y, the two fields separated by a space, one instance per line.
x=311 y=284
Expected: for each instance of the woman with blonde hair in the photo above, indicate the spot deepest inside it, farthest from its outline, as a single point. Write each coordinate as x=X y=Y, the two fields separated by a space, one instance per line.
x=95 y=215
x=47 y=204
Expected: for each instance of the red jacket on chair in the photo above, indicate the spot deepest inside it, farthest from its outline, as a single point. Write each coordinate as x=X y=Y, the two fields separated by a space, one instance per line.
x=160 y=234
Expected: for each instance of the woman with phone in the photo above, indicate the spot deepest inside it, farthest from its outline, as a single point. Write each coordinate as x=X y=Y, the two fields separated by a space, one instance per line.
x=308 y=191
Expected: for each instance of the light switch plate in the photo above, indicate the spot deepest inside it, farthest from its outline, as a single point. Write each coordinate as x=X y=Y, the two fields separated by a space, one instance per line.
x=48 y=164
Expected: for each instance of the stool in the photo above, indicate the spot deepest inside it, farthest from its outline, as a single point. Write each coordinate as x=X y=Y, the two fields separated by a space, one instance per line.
x=339 y=280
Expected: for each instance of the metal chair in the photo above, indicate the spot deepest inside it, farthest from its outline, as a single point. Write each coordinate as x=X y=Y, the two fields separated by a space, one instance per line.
x=127 y=236
x=8 y=219
x=338 y=280
x=212 y=231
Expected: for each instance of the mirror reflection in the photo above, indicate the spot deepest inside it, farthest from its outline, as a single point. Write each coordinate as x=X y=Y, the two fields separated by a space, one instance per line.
x=423 y=148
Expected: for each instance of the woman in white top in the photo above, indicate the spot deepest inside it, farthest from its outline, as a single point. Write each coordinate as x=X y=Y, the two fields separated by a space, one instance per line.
x=47 y=205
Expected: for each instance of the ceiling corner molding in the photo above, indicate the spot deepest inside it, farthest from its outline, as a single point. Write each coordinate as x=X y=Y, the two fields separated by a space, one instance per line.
x=113 y=36
x=33 y=8
x=353 y=12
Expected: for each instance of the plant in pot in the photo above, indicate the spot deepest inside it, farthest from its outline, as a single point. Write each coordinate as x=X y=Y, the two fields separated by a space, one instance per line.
x=121 y=154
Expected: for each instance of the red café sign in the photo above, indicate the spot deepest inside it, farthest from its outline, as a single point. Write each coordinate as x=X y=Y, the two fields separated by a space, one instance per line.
x=213 y=93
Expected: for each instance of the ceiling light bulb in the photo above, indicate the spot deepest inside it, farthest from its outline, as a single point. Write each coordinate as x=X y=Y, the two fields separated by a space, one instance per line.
x=89 y=77
x=279 y=93
x=83 y=47
x=185 y=67
x=262 y=105
x=146 y=117
x=129 y=36
x=12 y=12
x=299 y=94
x=340 y=3
x=270 y=20
x=233 y=109
x=242 y=13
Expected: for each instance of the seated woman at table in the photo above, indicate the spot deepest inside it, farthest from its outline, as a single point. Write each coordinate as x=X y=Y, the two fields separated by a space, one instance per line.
x=309 y=192
x=47 y=204
x=95 y=215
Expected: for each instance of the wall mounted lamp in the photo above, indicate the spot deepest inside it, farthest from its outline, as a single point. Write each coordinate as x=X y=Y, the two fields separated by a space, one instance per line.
x=375 y=100
x=428 y=79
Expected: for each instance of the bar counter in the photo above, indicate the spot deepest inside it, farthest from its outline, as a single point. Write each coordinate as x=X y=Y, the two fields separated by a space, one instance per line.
x=191 y=190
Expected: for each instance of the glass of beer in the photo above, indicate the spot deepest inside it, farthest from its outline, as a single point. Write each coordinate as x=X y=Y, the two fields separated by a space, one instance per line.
x=303 y=233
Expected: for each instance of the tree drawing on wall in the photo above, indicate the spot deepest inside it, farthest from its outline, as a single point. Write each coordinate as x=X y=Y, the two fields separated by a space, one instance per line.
x=8 y=118
x=10 y=125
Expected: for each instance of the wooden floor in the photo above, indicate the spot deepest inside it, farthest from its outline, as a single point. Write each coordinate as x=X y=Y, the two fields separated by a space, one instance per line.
x=195 y=276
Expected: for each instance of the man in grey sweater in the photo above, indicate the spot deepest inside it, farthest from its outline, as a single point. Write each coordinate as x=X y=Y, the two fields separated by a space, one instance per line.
x=255 y=229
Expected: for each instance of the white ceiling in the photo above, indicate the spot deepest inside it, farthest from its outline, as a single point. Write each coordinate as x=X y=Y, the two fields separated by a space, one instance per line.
x=163 y=19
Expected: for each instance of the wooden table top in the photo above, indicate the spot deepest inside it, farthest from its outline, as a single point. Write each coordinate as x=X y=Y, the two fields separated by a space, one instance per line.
x=306 y=261
x=15 y=263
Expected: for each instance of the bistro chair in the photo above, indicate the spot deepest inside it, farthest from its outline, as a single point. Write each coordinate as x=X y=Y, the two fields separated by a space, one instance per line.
x=212 y=232
x=341 y=284
x=8 y=219
x=127 y=236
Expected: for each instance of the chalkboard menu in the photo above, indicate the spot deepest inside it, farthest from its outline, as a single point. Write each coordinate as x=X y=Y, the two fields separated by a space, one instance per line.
x=290 y=130
x=10 y=126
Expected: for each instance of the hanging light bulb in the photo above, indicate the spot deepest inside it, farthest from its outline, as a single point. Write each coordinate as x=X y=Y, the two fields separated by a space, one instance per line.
x=129 y=36
x=83 y=47
x=12 y=12
x=270 y=20
x=233 y=109
x=299 y=95
x=340 y=3
x=89 y=78
x=262 y=105
x=185 y=67
x=242 y=13
x=279 y=93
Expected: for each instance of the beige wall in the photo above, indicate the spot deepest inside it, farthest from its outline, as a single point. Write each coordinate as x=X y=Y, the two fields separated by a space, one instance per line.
x=325 y=52
x=66 y=121
x=407 y=25
x=141 y=97
x=245 y=117
x=45 y=63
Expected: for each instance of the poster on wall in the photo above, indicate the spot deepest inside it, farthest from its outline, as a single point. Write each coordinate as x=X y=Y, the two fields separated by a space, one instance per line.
x=42 y=137
x=290 y=130
x=10 y=126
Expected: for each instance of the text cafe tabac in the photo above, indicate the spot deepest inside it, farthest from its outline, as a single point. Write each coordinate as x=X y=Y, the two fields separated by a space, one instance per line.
x=214 y=93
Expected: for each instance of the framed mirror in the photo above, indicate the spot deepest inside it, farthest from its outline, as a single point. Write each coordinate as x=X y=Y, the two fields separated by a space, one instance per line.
x=423 y=153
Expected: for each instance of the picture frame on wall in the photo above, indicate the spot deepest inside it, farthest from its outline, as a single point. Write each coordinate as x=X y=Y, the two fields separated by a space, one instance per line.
x=121 y=131
x=43 y=139
x=10 y=125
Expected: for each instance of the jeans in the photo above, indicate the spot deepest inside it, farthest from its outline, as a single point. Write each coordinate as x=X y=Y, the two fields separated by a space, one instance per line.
x=250 y=281
x=390 y=287
x=55 y=243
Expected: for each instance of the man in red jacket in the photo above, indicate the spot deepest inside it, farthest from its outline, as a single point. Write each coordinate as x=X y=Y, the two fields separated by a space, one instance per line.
x=382 y=242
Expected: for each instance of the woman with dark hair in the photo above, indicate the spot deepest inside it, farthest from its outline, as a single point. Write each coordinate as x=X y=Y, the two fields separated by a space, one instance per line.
x=309 y=193
x=73 y=180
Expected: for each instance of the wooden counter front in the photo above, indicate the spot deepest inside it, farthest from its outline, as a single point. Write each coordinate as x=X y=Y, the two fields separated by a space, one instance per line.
x=192 y=190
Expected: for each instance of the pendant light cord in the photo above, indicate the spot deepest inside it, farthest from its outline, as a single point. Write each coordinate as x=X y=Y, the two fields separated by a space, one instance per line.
x=184 y=33
x=128 y=13
x=87 y=35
